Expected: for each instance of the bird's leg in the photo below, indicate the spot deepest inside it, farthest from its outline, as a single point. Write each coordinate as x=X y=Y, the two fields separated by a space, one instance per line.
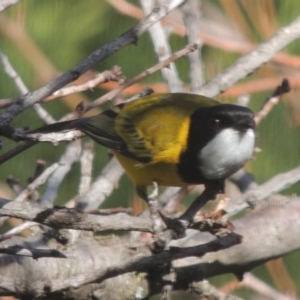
x=159 y=240
x=210 y=192
x=179 y=225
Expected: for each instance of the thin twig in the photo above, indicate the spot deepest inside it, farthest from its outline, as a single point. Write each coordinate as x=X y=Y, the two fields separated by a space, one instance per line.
x=206 y=290
x=28 y=224
x=32 y=187
x=172 y=205
x=208 y=36
x=6 y=102
x=16 y=150
x=191 y=14
x=144 y=74
x=70 y=156
x=11 y=72
x=127 y=38
x=111 y=75
x=163 y=51
x=5 y=4
x=71 y=135
x=15 y=185
x=33 y=252
x=273 y=101
x=110 y=211
x=43 y=114
x=86 y=160
x=16 y=230
x=37 y=182
x=102 y=187
x=243 y=100
x=144 y=92
x=276 y=184
x=251 y=281
x=252 y=60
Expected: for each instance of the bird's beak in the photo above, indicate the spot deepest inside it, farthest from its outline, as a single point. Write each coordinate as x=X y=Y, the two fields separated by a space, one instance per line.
x=245 y=123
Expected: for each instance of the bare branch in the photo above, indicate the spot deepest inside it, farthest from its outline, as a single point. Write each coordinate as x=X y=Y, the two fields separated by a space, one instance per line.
x=163 y=50
x=209 y=37
x=54 y=137
x=112 y=75
x=127 y=38
x=173 y=202
x=273 y=100
x=33 y=186
x=5 y=4
x=33 y=252
x=16 y=230
x=159 y=66
x=60 y=217
x=43 y=114
x=251 y=61
x=16 y=150
x=73 y=134
x=191 y=14
x=141 y=263
x=6 y=102
x=36 y=183
x=23 y=226
x=11 y=72
x=66 y=161
x=206 y=290
x=273 y=186
x=110 y=211
x=86 y=160
x=97 y=261
x=102 y=186
x=262 y=288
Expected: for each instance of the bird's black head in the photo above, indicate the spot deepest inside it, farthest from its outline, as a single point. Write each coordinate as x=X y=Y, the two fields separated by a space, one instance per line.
x=207 y=122
x=221 y=139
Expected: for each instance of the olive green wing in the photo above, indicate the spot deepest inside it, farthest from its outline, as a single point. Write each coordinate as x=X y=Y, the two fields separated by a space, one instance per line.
x=101 y=128
x=155 y=128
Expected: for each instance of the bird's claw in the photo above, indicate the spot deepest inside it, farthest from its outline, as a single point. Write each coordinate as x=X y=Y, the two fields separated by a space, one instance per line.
x=177 y=225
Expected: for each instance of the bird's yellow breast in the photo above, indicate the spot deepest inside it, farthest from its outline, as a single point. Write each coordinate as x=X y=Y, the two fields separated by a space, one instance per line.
x=164 y=174
x=157 y=128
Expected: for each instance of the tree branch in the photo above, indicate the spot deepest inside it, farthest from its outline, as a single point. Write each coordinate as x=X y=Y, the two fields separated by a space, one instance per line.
x=62 y=217
x=110 y=258
x=252 y=60
x=129 y=37
x=32 y=252
x=253 y=196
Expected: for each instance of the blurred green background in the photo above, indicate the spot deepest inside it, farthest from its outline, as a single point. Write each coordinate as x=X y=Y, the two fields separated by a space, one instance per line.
x=45 y=38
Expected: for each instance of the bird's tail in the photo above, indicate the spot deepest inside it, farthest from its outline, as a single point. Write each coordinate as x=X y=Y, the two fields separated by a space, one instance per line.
x=55 y=127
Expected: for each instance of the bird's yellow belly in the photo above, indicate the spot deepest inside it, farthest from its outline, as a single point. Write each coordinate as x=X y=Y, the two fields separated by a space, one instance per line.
x=165 y=174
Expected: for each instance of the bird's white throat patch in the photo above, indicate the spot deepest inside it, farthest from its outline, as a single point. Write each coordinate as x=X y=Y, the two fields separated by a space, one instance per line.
x=226 y=153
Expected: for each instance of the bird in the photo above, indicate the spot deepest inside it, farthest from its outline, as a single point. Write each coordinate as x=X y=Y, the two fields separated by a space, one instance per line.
x=173 y=139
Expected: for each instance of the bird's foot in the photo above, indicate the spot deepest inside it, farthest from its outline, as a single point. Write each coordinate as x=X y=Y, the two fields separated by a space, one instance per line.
x=176 y=225
x=210 y=192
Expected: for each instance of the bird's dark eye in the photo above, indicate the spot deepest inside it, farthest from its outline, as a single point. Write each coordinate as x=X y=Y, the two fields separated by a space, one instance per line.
x=214 y=122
